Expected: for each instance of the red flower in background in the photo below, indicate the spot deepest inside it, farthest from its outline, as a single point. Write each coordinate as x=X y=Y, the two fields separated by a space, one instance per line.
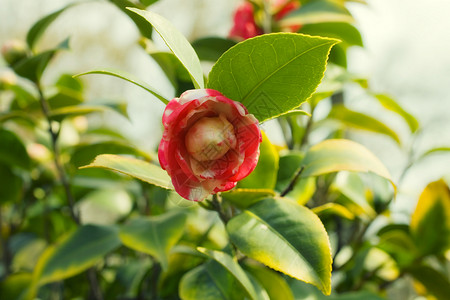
x=209 y=143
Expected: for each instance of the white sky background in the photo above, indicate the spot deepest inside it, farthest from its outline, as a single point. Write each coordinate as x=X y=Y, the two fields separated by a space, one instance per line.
x=407 y=55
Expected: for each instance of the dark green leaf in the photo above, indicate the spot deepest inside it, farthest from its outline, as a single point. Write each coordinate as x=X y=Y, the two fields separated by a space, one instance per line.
x=211 y=48
x=12 y=150
x=15 y=286
x=177 y=43
x=143 y=26
x=361 y=121
x=271 y=74
x=154 y=235
x=11 y=184
x=436 y=283
x=286 y=237
x=133 y=167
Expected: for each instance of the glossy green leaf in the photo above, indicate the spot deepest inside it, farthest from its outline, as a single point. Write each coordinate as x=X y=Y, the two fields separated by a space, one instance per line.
x=104 y=206
x=289 y=164
x=286 y=237
x=342 y=155
x=233 y=267
x=129 y=78
x=361 y=121
x=392 y=105
x=177 y=43
x=245 y=197
x=273 y=283
x=271 y=74
x=264 y=176
x=143 y=26
x=430 y=222
x=345 y=32
x=320 y=11
x=133 y=167
x=435 y=283
x=13 y=151
x=333 y=209
x=210 y=281
x=83 y=154
x=154 y=235
x=76 y=252
x=40 y=26
x=211 y=48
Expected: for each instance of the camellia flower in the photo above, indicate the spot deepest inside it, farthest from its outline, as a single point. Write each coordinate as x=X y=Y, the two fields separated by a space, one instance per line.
x=209 y=143
x=244 y=24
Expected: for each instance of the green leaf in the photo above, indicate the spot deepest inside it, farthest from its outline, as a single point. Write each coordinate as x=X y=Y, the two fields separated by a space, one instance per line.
x=345 y=32
x=392 y=105
x=211 y=48
x=264 y=176
x=436 y=283
x=342 y=155
x=13 y=151
x=333 y=209
x=15 y=286
x=78 y=110
x=430 y=222
x=177 y=43
x=233 y=267
x=75 y=253
x=210 y=281
x=129 y=78
x=133 y=167
x=432 y=151
x=12 y=184
x=286 y=237
x=40 y=26
x=273 y=283
x=243 y=198
x=143 y=26
x=361 y=121
x=83 y=154
x=154 y=235
x=271 y=74
x=320 y=11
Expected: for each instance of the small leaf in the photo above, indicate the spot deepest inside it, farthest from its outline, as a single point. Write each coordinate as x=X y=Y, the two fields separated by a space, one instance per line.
x=342 y=155
x=13 y=151
x=264 y=176
x=211 y=48
x=271 y=74
x=243 y=198
x=361 y=121
x=40 y=26
x=233 y=267
x=210 y=281
x=320 y=11
x=430 y=222
x=333 y=209
x=75 y=253
x=128 y=78
x=286 y=237
x=133 y=167
x=177 y=43
x=154 y=235
x=143 y=26
x=392 y=105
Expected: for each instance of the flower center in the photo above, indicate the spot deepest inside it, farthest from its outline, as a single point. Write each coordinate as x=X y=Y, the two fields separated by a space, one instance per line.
x=210 y=138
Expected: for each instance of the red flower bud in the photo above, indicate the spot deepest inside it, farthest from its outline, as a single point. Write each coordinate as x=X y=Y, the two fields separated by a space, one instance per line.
x=244 y=25
x=209 y=143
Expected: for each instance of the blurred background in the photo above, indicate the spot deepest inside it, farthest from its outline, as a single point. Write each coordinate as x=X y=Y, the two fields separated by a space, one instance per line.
x=406 y=55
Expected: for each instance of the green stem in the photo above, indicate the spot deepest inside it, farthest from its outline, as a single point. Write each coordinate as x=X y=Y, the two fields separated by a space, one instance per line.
x=291 y=185
x=217 y=206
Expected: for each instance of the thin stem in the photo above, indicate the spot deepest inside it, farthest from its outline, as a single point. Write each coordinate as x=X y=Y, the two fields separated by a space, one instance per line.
x=96 y=292
x=54 y=134
x=4 y=242
x=217 y=206
x=291 y=185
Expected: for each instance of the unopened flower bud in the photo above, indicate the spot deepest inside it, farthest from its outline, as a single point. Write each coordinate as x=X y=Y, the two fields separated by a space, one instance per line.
x=14 y=51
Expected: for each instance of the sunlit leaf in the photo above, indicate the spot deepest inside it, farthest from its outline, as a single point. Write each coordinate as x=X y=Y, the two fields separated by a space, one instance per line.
x=177 y=43
x=430 y=222
x=345 y=32
x=133 y=167
x=154 y=235
x=76 y=252
x=433 y=151
x=361 y=121
x=264 y=176
x=333 y=209
x=129 y=78
x=286 y=237
x=392 y=105
x=271 y=74
x=233 y=267
x=245 y=197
